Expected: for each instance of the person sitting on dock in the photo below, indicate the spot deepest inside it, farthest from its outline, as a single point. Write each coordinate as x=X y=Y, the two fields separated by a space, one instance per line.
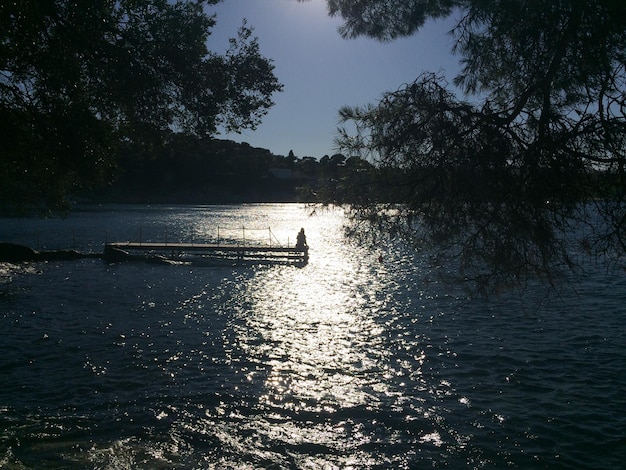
x=301 y=240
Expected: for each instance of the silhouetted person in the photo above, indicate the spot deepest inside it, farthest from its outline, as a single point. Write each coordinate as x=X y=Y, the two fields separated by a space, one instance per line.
x=301 y=240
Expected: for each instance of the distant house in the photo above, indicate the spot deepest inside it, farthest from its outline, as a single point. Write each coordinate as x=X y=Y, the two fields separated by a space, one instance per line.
x=281 y=173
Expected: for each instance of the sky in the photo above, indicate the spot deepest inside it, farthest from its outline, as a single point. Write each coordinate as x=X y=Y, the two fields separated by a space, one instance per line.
x=321 y=71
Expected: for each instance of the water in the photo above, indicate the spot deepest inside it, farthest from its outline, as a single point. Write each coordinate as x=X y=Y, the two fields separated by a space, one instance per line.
x=348 y=362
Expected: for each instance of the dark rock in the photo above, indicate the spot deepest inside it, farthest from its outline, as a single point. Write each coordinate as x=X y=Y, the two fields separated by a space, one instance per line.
x=14 y=253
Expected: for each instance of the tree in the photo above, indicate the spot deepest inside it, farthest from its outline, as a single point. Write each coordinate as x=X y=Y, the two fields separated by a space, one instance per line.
x=534 y=155
x=78 y=80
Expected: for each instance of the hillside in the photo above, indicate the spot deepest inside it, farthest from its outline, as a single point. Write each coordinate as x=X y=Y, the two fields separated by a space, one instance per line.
x=189 y=170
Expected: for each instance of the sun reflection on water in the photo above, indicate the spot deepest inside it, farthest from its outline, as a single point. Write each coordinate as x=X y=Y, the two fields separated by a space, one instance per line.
x=332 y=363
x=311 y=326
x=308 y=367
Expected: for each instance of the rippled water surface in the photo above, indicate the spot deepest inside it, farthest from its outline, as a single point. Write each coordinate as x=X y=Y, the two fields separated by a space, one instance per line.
x=360 y=359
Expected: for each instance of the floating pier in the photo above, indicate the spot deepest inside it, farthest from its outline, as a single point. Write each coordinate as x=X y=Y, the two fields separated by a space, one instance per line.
x=227 y=250
x=181 y=252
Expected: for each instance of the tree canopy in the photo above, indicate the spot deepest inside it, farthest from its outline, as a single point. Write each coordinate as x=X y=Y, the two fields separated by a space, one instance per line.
x=78 y=80
x=502 y=165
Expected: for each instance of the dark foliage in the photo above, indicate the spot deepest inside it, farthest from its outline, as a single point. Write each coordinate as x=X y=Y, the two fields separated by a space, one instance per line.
x=529 y=164
x=80 y=79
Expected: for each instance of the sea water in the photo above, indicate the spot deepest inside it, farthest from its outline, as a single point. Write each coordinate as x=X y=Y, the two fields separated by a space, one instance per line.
x=360 y=359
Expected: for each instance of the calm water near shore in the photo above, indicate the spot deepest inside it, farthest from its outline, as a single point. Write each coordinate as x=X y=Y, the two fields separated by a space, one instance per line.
x=347 y=362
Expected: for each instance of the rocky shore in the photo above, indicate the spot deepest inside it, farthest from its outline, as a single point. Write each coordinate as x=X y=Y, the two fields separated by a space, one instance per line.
x=15 y=253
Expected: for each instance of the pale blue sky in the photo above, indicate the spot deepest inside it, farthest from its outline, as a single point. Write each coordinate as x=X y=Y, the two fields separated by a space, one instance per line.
x=320 y=71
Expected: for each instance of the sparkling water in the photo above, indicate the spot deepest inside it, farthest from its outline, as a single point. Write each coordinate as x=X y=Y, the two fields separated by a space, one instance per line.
x=360 y=359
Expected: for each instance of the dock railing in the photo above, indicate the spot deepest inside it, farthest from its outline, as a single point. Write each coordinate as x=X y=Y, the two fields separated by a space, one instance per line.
x=243 y=236
x=239 y=245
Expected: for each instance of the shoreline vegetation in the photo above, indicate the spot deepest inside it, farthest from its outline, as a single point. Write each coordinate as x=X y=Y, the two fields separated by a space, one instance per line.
x=213 y=171
x=188 y=170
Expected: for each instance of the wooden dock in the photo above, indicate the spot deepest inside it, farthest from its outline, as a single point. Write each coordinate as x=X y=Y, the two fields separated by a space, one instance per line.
x=181 y=252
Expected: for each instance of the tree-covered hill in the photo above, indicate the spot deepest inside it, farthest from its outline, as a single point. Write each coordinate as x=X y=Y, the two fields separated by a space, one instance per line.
x=188 y=169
